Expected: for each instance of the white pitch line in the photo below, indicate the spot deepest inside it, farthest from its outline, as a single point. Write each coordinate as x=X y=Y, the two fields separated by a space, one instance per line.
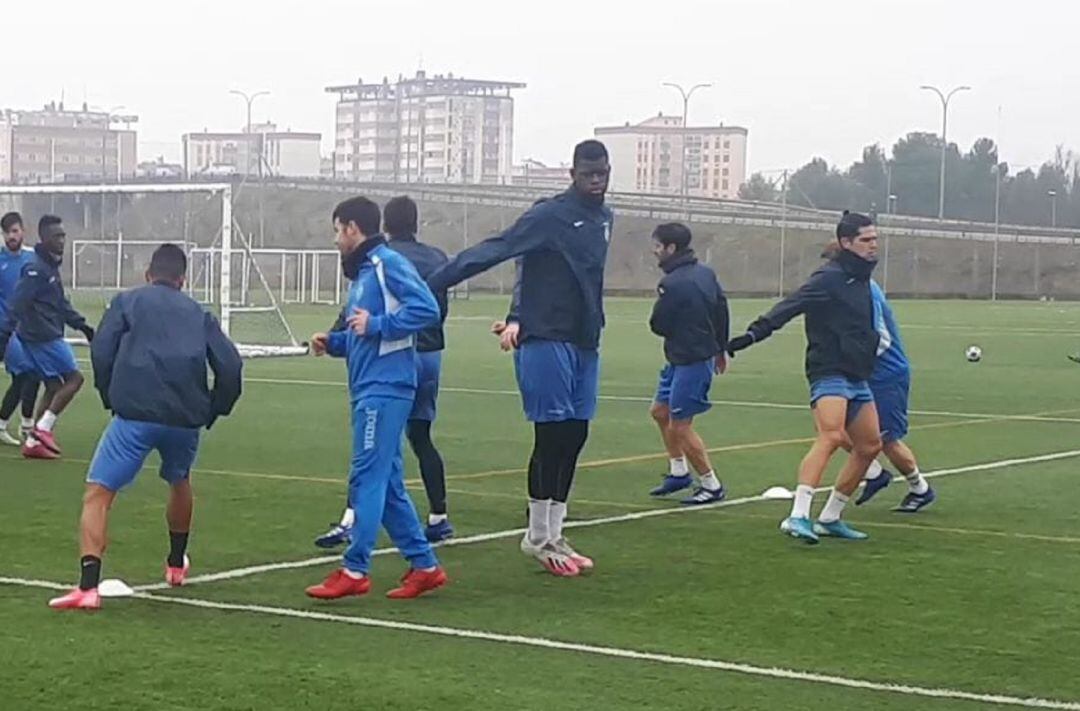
x=587 y=523
x=597 y=650
x=732 y=403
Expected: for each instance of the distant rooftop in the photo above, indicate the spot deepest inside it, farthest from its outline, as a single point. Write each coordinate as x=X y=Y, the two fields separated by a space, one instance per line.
x=423 y=85
x=662 y=124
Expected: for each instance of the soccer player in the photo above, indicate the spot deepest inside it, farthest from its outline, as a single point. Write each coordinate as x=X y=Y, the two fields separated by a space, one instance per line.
x=388 y=305
x=841 y=355
x=24 y=384
x=400 y=223
x=150 y=366
x=37 y=314
x=890 y=384
x=691 y=315
x=563 y=245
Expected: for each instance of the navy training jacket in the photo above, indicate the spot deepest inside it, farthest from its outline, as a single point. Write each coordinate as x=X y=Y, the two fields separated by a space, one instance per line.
x=150 y=358
x=691 y=311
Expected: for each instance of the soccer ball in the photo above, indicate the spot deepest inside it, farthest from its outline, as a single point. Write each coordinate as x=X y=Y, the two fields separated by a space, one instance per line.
x=973 y=354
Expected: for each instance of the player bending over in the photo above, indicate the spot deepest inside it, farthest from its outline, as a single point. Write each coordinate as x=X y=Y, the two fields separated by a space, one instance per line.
x=840 y=357
x=691 y=315
x=149 y=360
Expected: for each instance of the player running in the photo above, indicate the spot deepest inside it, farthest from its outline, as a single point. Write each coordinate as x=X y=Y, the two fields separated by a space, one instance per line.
x=563 y=245
x=37 y=313
x=24 y=384
x=840 y=357
x=691 y=315
x=388 y=305
x=149 y=360
x=400 y=222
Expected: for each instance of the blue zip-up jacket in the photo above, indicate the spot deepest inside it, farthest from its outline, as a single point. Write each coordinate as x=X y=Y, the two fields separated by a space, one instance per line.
x=563 y=245
x=840 y=334
x=691 y=311
x=39 y=309
x=11 y=267
x=892 y=361
x=150 y=356
x=426 y=259
x=382 y=362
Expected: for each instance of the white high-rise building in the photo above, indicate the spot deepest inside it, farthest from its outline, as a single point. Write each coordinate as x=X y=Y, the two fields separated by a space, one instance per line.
x=440 y=129
x=648 y=158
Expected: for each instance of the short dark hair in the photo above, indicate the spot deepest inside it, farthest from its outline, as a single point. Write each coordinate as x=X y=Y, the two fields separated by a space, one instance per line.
x=850 y=224
x=400 y=216
x=168 y=262
x=361 y=211
x=589 y=150
x=674 y=233
x=9 y=220
x=47 y=221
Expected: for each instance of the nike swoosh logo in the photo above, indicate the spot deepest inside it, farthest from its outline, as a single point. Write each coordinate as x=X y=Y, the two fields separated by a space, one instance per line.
x=579 y=223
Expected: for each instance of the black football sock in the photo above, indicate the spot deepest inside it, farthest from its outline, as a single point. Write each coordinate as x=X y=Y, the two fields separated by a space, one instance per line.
x=90 y=572
x=573 y=437
x=177 y=548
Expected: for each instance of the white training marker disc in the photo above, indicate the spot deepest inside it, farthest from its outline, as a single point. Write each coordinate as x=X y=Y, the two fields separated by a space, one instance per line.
x=114 y=588
x=778 y=492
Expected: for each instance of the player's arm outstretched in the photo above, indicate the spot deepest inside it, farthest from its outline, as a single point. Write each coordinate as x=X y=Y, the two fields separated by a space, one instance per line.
x=814 y=291
x=531 y=231
x=227 y=366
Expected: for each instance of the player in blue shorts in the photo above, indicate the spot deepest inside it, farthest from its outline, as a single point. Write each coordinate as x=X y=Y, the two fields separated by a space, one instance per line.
x=563 y=245
x=37 y=314
x=150 y=362
x=691 y=315
x=841 y=355
x=890 y=384
x=400 y=223
x=14 y=257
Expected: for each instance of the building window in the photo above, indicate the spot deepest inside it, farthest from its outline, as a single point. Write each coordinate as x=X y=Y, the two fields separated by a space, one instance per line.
x=727 y=144
x=725 y=172
x=725 y=185
x=727 y=157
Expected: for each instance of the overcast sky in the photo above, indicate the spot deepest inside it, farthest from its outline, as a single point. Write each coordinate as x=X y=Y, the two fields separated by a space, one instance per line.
x=806 y=77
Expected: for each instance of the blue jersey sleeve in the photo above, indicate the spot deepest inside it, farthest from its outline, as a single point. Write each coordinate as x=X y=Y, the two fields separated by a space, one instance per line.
x=417 y=308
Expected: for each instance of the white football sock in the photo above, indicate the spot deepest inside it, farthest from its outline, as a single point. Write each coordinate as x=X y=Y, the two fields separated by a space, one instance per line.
x=916 y=482
x=3 y=424
x=435 y=519
x=348 y=518
x=833 y=507
x=47 y=421
x=353 y=574
x=27 y=423
x=710 y=482
x=556 y=516
x=679 y=467
x=539 y=513
x=804 y=496
x=873 y=471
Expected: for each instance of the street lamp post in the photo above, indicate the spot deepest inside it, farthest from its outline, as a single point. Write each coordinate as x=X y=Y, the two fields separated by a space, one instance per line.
x=1053 y=207
x=249 y=99
x=686 y=107
x=944 y=133
x=997 y=231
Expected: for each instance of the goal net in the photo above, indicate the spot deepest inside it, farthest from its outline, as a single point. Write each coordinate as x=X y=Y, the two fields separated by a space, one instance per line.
x=114 y=229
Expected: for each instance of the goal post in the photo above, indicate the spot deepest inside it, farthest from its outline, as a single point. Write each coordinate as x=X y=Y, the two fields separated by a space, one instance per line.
x=102 y=219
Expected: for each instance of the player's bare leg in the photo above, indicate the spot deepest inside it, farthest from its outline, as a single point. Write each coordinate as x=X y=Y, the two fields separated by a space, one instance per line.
x=830 y=414
x=58 y=395
x=865 y=433
x=678 y=476
x=93 y=539
x=710 y=490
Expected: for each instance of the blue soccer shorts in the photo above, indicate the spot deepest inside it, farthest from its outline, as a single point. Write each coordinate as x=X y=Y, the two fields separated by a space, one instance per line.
x=428 y=368
x=558 y=381
x=891 y=398
x=685 y=388
x=15 y=360
x=856 y=392
x=51 y=360
x=126 y=444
